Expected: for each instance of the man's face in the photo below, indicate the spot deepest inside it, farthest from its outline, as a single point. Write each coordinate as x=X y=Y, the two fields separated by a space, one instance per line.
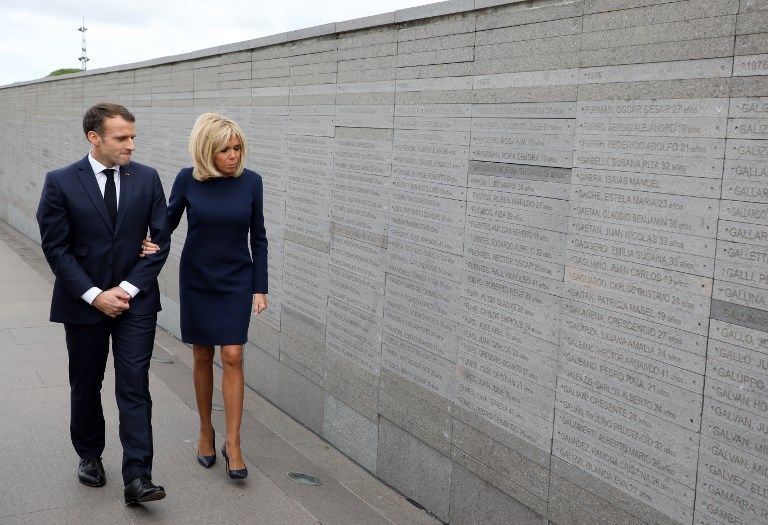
x=115 y=145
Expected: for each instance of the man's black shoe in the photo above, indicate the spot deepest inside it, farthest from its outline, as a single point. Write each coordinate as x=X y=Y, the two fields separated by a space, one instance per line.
x=141 y=490
x=91 y=472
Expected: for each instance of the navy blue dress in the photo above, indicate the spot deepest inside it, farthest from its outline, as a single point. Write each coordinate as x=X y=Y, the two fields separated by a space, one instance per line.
x=217 y=276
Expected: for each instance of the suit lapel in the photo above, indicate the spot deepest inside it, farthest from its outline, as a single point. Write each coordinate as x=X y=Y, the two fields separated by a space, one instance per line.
x=126 y=192
x=88 y=180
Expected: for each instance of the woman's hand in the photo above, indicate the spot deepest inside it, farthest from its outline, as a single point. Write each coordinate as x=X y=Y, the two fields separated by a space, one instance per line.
x=259 y=303
x=148 y=248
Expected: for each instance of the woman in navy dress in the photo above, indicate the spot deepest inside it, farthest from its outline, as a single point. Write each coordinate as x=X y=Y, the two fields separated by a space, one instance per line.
x=220 y=282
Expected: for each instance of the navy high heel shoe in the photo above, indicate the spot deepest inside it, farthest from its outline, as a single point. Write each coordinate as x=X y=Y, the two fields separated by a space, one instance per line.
x=208 y=461
x=240 y=473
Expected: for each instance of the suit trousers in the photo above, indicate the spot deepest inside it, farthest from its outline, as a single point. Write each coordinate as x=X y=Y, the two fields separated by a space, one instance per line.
x=133 y=337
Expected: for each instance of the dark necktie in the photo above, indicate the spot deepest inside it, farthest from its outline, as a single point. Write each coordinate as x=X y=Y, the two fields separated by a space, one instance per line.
x=110 y=194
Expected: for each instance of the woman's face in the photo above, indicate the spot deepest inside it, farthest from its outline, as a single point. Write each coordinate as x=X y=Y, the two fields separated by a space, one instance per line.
x=227 y=159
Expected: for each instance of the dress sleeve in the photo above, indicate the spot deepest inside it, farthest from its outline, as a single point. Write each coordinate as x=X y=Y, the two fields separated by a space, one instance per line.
x=258 y=239
x=177 y=201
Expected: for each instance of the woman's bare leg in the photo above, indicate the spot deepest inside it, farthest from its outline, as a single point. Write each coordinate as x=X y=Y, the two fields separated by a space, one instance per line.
x=232 y=390
x=203 y=379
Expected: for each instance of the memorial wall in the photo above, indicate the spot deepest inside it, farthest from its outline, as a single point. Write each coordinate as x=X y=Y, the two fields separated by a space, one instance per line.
x=518 y=251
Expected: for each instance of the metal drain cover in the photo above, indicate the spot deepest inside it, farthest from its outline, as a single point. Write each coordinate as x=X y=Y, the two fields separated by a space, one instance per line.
x=217 y=407
x=304 y=479
x=161 y=359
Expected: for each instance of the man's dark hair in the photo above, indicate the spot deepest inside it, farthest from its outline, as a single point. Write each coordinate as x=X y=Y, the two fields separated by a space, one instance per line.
x=93 y=120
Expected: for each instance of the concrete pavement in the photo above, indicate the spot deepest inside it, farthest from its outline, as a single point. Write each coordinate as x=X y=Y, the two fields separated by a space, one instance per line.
x=38 y=481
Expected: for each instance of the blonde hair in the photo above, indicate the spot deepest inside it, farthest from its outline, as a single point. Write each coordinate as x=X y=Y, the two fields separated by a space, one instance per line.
x=210 y=135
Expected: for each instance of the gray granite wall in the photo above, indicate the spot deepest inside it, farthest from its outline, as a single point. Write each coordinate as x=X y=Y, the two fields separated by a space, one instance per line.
x=517 y=250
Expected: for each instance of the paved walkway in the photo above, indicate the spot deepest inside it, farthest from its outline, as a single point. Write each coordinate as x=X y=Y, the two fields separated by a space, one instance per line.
x=38 y=482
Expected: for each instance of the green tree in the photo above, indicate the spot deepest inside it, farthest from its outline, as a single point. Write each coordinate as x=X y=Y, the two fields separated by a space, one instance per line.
x=64 y=71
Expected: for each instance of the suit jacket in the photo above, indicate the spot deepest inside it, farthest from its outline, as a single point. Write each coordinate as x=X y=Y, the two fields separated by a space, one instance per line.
x=84 y=249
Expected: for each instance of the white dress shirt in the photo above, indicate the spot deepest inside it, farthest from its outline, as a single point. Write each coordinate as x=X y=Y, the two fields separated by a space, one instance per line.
x=101 y=180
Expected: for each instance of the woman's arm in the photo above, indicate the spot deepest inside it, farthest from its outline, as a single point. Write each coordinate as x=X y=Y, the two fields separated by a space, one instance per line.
x=258 y=240
x=177 y=201
x=176 y=205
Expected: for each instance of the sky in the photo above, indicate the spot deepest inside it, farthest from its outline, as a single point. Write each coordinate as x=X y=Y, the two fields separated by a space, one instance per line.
x=40 y=36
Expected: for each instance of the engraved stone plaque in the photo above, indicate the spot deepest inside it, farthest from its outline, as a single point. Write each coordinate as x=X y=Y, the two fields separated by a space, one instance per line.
x=651 y=397
x=693 y=343
x=748 y=296
x=661 y=164
x=492 y=269
x=753 y=276
x=600 y=357
x=519 y=186
x=358 y=257
x=641 y=145
x=561 y=141
x=683 y=282
x=509 y=340
x=735 y=427
x=740 y=149
x=741 y=336
x=424 y=297
x=646 y=217
x=735 y=470
x=427 y=370
x=603 y=412
x=485 y=404
x=428 y=188
x=750 y=65
x=696 y=322
x=731 y=365
x=633 y=350
x=428 y=123
x=739 y=315
x=513 y=390
x=534 y=250
x=653 y=126
x=696 y=306
x=358 y=292
x=538 y=267
x=742 y=233
x=624 y=470
x=521 y=324
x=747 y=128
x=744 y=212
x=460 y=138
x=682 y=512
x=547 y=126
x=651 y=182
x=725 y=503
x=668 y=458
x=446 y=267
x=668 y=241
x=427 y=233
x=756 y=107
x=518 y=215
x=435 y=175
x=670 y=108
x=363 y=218
x=752 y=192
x=642 y=200
x=525 y=110
x=420 y=328
x=522 y=362
x=540 y=158
x=728 y=394
x=515 y=232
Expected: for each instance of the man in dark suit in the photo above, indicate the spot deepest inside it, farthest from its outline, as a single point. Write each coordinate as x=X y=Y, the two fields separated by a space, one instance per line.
x=93 y=215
